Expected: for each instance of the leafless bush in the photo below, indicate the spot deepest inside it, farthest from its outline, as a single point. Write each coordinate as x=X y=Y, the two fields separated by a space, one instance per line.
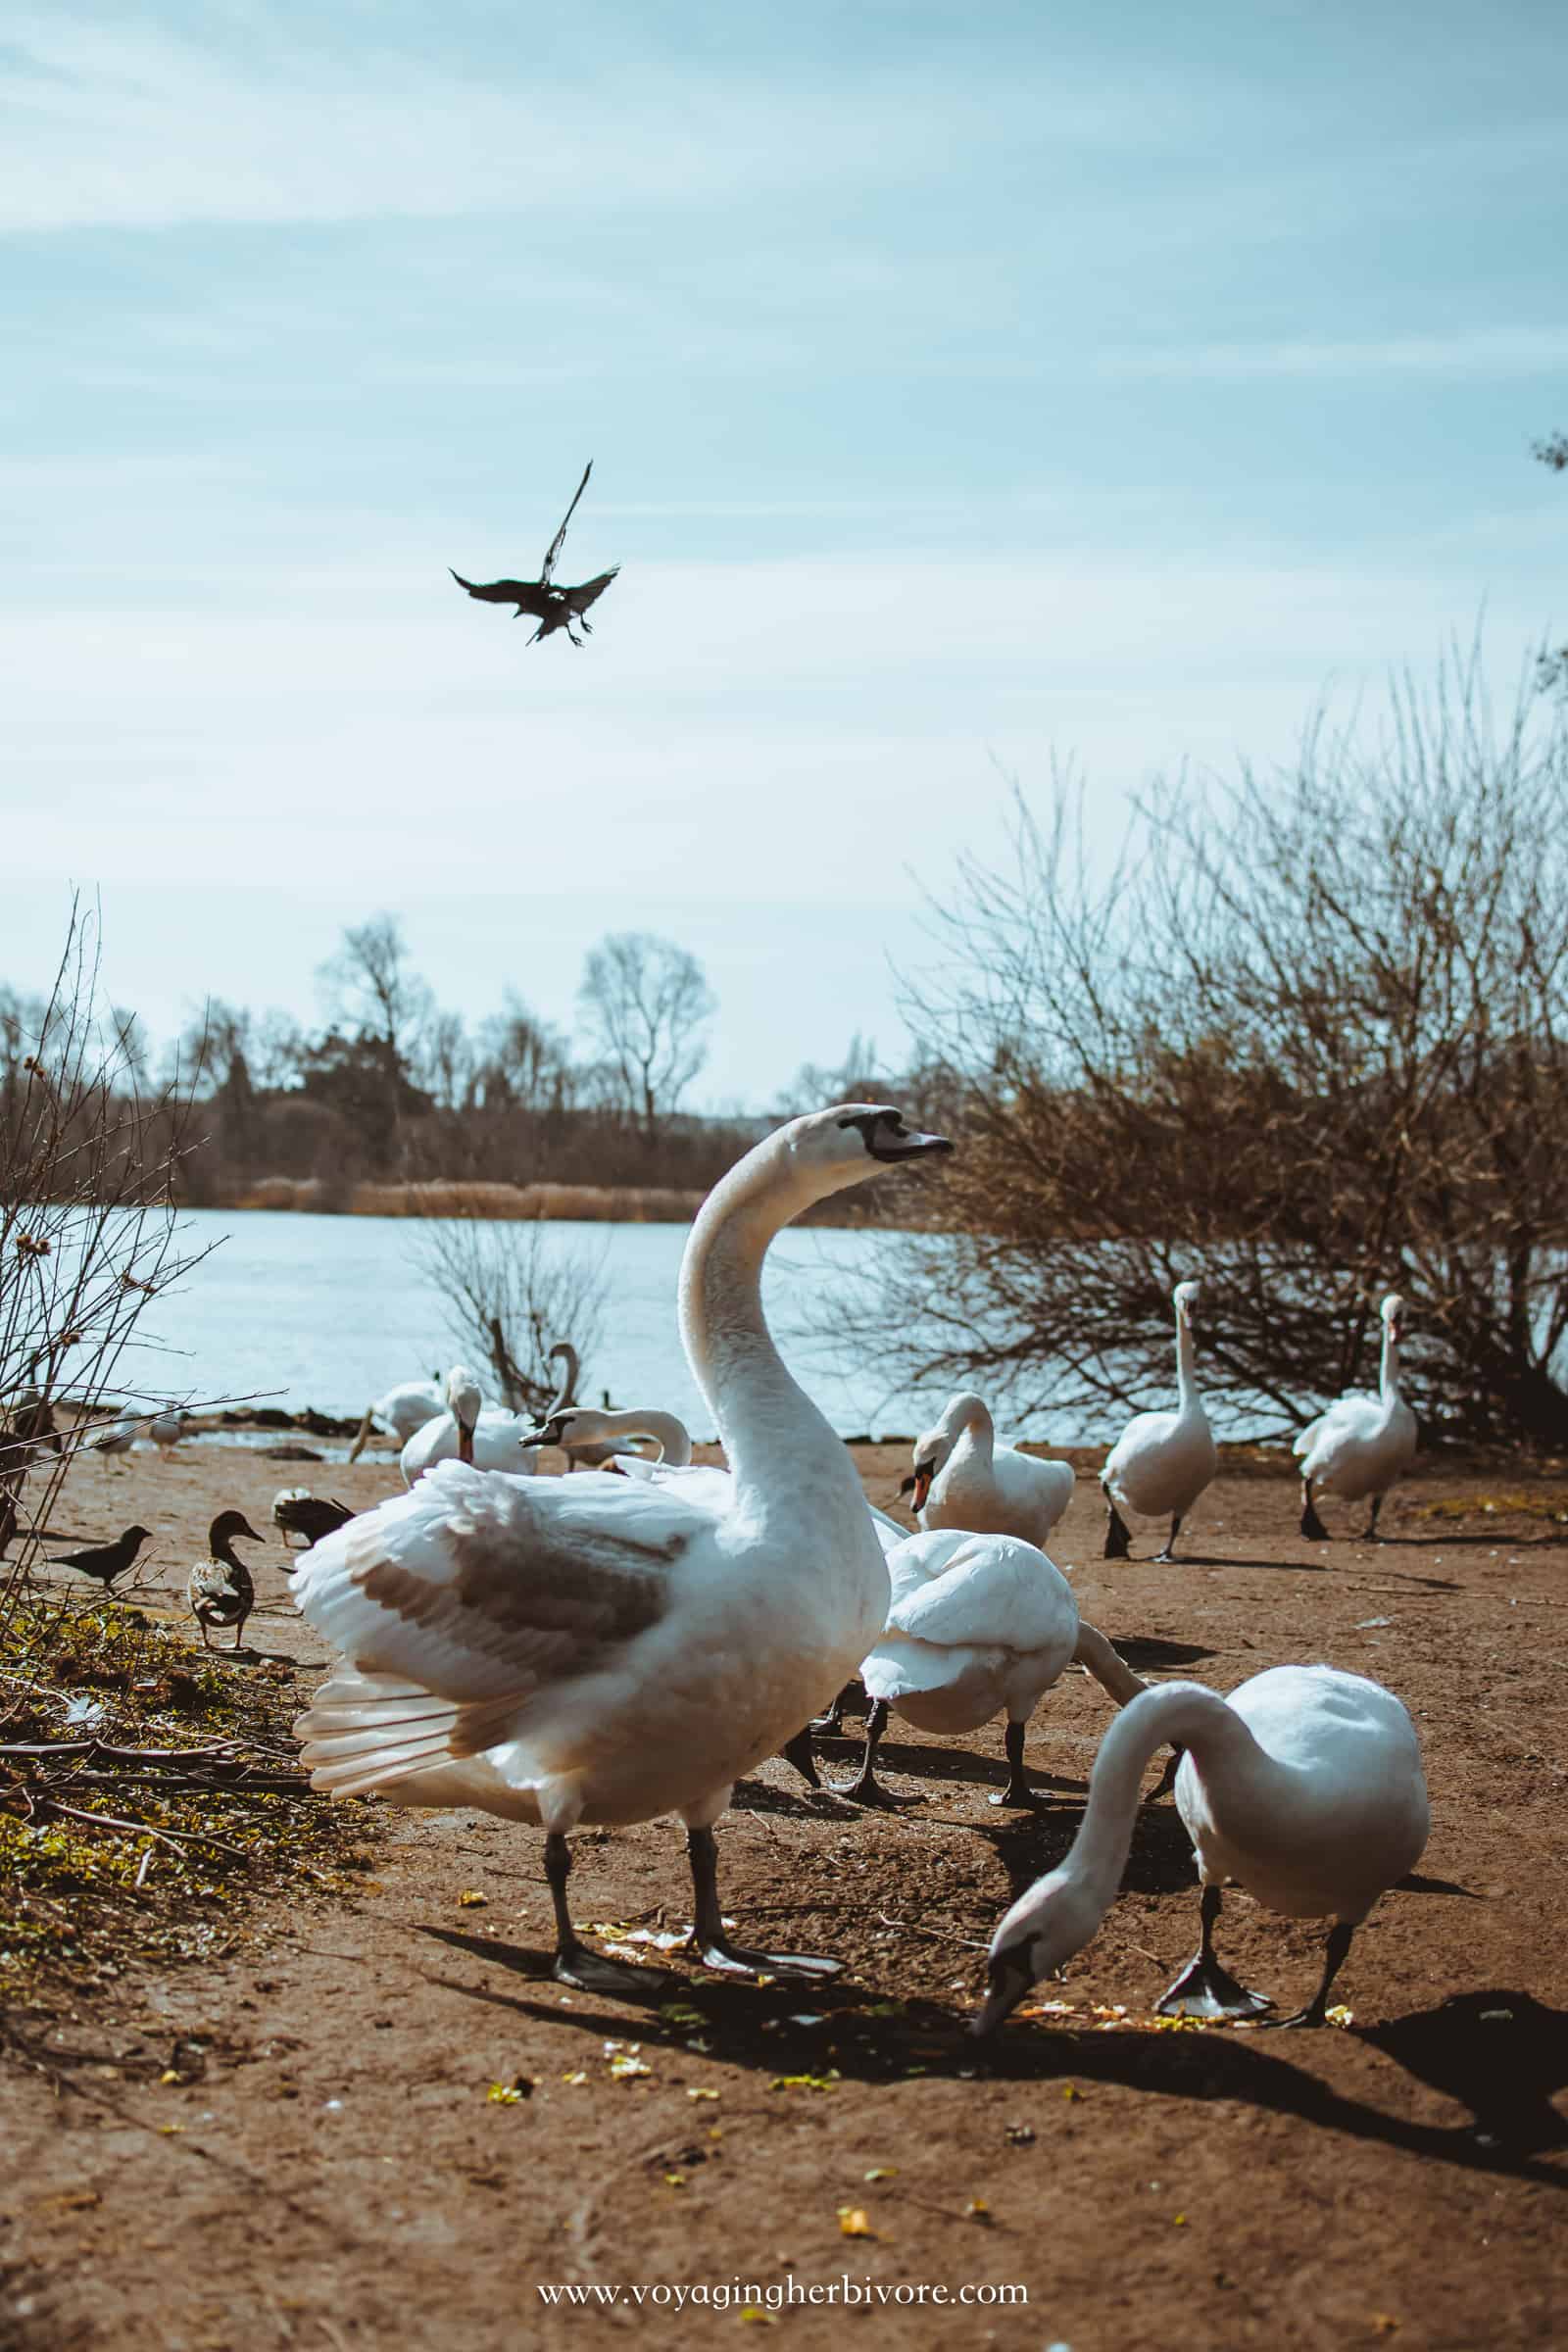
x=510 y=1296
x=88 y=1230
x=1310 y=1040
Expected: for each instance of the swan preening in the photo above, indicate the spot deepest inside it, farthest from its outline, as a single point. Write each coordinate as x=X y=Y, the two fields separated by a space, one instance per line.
x=468 y=1430
x=1161 y=1462
x=601 y=1440
x=1361 y=1444
x=600 y=1649
x=1304 y=1785
x=401 y=1412
x=979 y=1625
x=962 y=1478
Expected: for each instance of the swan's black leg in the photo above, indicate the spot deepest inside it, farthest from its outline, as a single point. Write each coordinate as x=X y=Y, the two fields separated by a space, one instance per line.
x=798 y=1752
x=1372 y=1523
x=708 y=1938
x=832 y=1722
x=866 y=1789
x=1118 y=1543
x=1312 y=1526
x=1018 y=1792
x=1205 y=1987
x=1316 y=2011
x=1169 y=1553
x=574 y=1964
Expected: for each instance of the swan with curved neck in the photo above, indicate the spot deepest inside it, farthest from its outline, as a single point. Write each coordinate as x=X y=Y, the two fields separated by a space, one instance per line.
x=964 y=1478
x=1360 y=1445
x=1161 y=1462
x=596 y=1648
x=597 y=1439
x=1304 y=1785
x=400 y=1412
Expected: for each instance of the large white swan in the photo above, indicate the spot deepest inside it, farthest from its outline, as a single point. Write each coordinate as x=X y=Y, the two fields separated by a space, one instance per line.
x=400 y=1412
x=1360 y=1445
x=962 y=1478
x=1161 y=1462
x=469 y=1430
x=1304 y=1786
x=600 y=1650
x=979 y=1625
x=589 y=1438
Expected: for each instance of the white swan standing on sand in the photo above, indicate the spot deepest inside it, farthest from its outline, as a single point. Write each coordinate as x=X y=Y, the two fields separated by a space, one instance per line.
x=596 y=1648
x=1161 y=1462
x=1360 y=1445
x=469 y=1430
x=979 y=1625
x=1304 y=1786
x=962 y=1478
x=400 y=1412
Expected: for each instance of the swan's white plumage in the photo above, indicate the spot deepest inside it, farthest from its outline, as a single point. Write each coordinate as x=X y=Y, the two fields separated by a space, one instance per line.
x=1360 y=1446
x=978 y=1625
x=599 y=1647
x=498 y=1440
x=983 y=1486
x=1161 y=1462
x=1304 y=1785
x=408 y=1408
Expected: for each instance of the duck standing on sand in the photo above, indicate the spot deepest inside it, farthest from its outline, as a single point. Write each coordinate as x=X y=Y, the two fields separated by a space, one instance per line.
x=220 y=1588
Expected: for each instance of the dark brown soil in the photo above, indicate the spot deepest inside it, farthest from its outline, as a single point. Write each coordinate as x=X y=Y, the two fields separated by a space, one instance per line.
x=328 y=2168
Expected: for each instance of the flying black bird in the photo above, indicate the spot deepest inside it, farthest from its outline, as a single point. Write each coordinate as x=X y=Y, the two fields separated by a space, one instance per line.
x=106 y=1561
x=552 y=606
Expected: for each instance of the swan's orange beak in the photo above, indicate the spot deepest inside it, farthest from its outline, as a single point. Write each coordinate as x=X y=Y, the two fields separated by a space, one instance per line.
x=918 y=1485
x=464 y=1442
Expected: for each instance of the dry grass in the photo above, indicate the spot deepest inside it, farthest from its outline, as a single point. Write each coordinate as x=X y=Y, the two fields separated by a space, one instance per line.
x=586 y=1204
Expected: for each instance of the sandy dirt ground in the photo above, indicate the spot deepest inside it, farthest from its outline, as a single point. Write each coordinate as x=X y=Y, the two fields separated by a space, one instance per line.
x=328 y=2168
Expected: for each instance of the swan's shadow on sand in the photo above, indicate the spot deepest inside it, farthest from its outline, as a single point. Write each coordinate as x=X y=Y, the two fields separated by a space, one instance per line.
x=1499 y=2054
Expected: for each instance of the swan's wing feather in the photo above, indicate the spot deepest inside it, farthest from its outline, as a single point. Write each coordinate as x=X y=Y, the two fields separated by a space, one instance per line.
x=475 y=1588
x=1004 y=1594
x=703 y=1485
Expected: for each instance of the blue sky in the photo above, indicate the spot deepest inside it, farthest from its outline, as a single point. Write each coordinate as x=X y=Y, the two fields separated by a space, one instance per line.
x=964 y=387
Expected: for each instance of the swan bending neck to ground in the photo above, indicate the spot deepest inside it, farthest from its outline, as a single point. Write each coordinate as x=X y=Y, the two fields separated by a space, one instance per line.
x=469 y=1430
x=964 y=1478
x=1161 y=1462
x=597 y=1648
x=400 y=1412
x=1362 y=1444
x=1304 y=1786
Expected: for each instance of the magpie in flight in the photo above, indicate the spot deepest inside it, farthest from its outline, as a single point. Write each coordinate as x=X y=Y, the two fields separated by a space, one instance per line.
x=552 y=606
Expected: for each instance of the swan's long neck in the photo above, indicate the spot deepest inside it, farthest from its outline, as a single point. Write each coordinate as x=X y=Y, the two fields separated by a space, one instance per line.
x=1185 y=1713
x=975 y=1435
x=670 y=1436
x=1186 y=1359
x=1388 y=1372
x=772 y=1431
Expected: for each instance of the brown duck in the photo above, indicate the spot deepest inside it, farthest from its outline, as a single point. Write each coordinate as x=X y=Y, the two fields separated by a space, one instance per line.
x=219 y=1589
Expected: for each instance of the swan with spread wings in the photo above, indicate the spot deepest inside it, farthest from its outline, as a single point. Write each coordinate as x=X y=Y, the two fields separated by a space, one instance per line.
x=553 y=608
x=606 y=1650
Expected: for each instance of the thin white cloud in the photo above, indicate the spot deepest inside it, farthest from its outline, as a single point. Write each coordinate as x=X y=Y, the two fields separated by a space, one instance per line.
x=1468 y=351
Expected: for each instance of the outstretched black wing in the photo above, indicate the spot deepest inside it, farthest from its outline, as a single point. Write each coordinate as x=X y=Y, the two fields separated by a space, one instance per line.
x=579 y=599
x=529 y=596
x=549 y=564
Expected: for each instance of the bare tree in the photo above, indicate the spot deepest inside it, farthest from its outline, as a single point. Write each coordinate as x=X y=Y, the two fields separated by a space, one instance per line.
x=1310 y=1040
x=1551 y=669
x=522 y=1061
x=647 y=1003
x=373 y=989
x=513 y=1294
x=88 y=1231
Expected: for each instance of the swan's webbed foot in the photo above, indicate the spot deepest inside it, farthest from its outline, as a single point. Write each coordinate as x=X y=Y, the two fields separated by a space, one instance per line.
x=574 y=1964
x=1169 y=1551
x=1018 y=1792
x=1118 y=1543
x=798 y=1752
x=1206 y=1987
x=591 y=1971
x=708 y=1938
x=866 y=1789
x=1312 y=1527
x=1316 y=2012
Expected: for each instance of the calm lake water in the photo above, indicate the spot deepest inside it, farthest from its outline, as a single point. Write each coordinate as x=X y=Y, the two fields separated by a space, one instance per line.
x=298 y=1311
